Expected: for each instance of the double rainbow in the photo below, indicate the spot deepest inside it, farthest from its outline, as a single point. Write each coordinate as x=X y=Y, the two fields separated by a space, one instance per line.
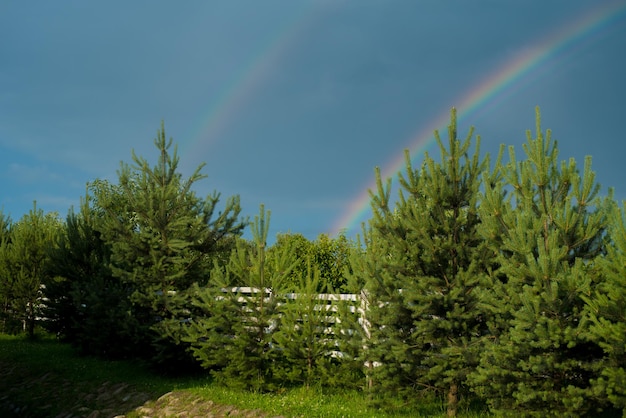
x=504 y=81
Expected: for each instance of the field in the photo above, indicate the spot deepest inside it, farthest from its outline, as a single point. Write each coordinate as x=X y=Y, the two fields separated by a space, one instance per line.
x=44 y=378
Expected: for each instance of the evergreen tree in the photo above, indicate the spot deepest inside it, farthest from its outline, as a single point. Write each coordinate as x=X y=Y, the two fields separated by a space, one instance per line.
x=346 y=368
x=240 y=310
x=545 y=226
x=424 y=259
x=301 y=341
x=302 y=250
x=606 y=314
x=86 y=305
x=163 y=238
x=5 y=282
x=312 y=338
x=26 y=270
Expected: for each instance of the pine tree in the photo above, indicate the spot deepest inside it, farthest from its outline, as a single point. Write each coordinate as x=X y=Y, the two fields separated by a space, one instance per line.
x=425 y=261
x=240 y=309
x=346 y=368
x=388 y=320
x=310 y=340
x=27 y=258
x=5 y=275
x=86 y=305
x=607 y=317
x=300 y=339
x=545 y=226
x=163 y=239
x=302 y=250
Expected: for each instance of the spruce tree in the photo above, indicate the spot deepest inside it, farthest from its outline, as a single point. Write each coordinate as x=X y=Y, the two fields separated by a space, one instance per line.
x=163 y=239
x=544 y=224
x=424 y=261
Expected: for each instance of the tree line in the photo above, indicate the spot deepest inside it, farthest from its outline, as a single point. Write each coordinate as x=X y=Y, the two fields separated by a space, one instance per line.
x=501 y=281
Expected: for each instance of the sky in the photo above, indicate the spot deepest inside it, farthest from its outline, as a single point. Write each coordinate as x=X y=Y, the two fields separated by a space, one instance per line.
x=292 y=104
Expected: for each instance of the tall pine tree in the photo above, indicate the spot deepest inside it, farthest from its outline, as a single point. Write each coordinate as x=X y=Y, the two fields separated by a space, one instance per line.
x=424 y=260
x=163 y=239
x=544 y=224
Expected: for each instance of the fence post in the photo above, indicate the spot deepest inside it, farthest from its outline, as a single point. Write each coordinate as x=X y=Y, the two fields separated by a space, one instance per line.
x=369 y=365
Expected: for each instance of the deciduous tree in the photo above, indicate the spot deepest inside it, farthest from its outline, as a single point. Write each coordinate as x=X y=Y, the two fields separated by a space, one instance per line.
x=329 y=255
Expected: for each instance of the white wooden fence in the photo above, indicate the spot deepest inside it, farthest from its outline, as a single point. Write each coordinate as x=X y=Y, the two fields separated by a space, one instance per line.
x=329 y=302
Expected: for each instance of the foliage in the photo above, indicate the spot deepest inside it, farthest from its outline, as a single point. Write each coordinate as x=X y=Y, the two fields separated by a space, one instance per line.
x=607 y=317
x=311 y=338
x=46 y=378
x=233 y=336
x=24 y=260
x=504 y=286
x=163 y=238
x=5 y=274
x=85 y=304
x=545 y=227
x=329 y=255
x=301 y=340
x=425 y=259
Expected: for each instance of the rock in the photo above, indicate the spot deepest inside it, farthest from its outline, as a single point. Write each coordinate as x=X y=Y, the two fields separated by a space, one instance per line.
x=144 y=410
x=104 y=396
x=120 y=389
x=165 y=396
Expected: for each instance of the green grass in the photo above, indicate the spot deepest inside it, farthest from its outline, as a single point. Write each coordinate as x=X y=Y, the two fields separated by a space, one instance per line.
x=44 y=378
x=47 y=378
x=303 y=402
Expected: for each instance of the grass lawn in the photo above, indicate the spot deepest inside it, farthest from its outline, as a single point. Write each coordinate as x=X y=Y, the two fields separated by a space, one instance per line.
x=44 y=378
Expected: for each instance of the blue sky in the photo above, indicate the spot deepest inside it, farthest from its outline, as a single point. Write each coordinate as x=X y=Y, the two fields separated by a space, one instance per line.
x=289 y=103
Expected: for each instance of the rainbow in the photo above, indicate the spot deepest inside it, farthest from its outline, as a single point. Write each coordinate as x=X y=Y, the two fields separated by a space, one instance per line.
x=243 y=84
x=505 y=80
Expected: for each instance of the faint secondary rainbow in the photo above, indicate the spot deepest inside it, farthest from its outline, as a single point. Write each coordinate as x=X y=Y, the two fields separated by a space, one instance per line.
x=243 y=84
x=505 y=79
